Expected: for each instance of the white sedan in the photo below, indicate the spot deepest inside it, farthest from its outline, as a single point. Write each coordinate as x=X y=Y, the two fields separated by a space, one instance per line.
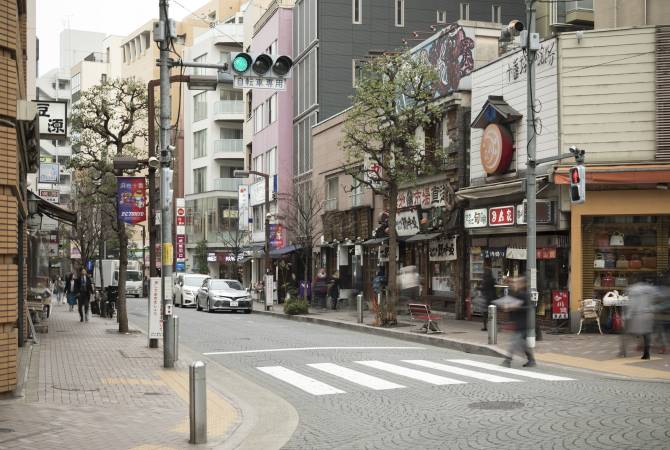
x=186 y=288
x=223 y=295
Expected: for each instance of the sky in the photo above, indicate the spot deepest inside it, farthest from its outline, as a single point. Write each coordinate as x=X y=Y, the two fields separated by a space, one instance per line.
x=118 y=17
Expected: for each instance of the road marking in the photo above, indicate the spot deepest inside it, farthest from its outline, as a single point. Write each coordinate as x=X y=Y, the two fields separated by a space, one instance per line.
x=356 y=377
x=523 y=373
x=461 y=371
x=299 y=349
x=410 y=373
x=307 y=384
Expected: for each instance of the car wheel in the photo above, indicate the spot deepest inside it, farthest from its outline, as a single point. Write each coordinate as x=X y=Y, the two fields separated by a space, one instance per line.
x=209 y=306
x=197 y=305
x=247 y=311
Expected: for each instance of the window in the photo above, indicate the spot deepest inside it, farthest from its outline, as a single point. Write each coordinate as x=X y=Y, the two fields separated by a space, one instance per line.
x=103 y=78
x=331 y=193
x=356 y=193
x=76 y=83
x=465 y=11
x=496 y=14
x=356 y=13
x=258 y=119
x=199 y=180
x=230 y=133
x=200 y=106
x=399 y=13
x=200 y=143
x=249 y=110
x=230 y=94
x=271 y=161
x=200 y=70
x=271 y=106
x=272 y=49
x=357 y=70
x=258 y=166
x=258 y=217
x=441 y=17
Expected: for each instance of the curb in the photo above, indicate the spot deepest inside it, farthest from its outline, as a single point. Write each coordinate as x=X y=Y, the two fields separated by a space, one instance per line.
x=450 y=343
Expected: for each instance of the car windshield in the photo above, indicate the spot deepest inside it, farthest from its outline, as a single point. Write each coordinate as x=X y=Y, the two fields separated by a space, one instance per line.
x=221 y=284
x=193 y=281
x=134 y=276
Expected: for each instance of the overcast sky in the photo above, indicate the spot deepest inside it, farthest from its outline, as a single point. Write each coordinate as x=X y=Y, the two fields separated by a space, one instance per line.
x=111 y=17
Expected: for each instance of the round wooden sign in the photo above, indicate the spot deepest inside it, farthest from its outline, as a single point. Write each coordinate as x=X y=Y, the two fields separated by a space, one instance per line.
x=496 y=149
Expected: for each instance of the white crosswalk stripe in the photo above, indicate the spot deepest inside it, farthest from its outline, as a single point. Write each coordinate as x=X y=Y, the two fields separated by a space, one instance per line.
x=460 y=371
x=307 y=384
x=522 y=373
x=410 y=373
x=356 y=377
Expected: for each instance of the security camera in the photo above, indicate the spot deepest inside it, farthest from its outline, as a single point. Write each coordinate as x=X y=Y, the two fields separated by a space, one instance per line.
x=153 y=162
x=511 y=30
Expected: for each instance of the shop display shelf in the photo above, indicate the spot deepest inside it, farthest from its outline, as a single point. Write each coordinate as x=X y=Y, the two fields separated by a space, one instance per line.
x=624 y=270
x=610 y=289
x=626 y=247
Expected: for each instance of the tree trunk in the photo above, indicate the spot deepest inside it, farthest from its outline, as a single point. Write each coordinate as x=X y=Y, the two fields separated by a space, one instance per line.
x=308 y=261
x=123 y=268
x=391 y=314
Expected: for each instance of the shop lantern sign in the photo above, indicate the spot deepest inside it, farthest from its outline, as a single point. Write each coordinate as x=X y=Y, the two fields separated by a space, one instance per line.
x=443 y=249
x=476 y=218
x=407 y=223
x=431 y=196
x=502 y=216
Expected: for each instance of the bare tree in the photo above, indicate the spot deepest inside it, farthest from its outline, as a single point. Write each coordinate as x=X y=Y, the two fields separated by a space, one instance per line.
x=109 y=120
x=234 y=240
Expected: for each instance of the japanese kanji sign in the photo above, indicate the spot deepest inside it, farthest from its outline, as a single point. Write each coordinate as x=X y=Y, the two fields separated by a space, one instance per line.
x=442 y=249
x=53 y=119
x=254 y=82
x=475 y=218
x=501 y=216
x=431 y=196
x=407 y=223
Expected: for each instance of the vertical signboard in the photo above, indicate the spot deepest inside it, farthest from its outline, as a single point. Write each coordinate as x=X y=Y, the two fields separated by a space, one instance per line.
x=243 y=206
x=131 y=199
x=53 y=119
x=155 y=304
x=180 y=220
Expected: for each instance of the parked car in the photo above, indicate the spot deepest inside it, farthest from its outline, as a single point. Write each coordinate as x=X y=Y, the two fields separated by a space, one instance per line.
x=186 y=288
x=223 y=295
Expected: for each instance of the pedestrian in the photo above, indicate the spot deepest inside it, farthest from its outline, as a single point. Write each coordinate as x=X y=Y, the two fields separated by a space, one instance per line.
x=662 y=312
x=84 y=289
x=488 y=291
x=519 y=319
x=320 y=289
x=378 y=285
x=145 y=286
x=639 y=315
x=59 y=289
x=334 y=289
x=70 y=293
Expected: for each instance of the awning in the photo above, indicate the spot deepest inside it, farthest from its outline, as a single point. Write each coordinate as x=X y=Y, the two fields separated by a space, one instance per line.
x=375 y=241
x=495 y=110
x=284 y=250
x=618 y=174
x=500 y=189
x=423 y=237
x=52 y=210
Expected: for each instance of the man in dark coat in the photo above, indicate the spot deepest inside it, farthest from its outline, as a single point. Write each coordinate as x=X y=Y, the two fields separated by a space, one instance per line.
x=83 y=288
x=519 y=318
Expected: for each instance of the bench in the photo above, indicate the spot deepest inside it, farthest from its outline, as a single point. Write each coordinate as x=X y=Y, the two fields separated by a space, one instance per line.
x=420 y=311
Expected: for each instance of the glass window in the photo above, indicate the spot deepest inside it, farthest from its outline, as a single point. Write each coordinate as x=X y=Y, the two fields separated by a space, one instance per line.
x=258 y=217
x=200 y=143
x=271 y=162
x=271 y=105
x=226 y=284
x=193 y=281
x=230 y=94
x=272 y=49
x=331 y=193
x=199 y=180
x=76 y=83
x=496 y=14
x=258 y=119
x=230 y=133
x=200 y=106
x=356 y=193
x=441 y=17
x=465 y=11
x=356 y=14
x=399 y=13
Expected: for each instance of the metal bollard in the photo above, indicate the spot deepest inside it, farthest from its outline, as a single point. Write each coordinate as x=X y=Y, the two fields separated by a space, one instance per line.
x=197 y=384
x=493 y=324
x=359 y=307
x=176 y=338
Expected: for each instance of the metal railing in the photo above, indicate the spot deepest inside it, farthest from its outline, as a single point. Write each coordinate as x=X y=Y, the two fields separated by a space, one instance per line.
x=228 y=184
x=229 y=107
x=228 y=146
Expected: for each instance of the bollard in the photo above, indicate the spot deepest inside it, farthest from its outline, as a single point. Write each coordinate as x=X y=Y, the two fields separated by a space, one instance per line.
x=359 y=307
x=176 y=338
x=493 y=325
x=197 y=384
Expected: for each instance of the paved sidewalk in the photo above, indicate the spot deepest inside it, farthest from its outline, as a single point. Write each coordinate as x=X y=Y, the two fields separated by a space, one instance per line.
x=90 y=387
x=589 y=350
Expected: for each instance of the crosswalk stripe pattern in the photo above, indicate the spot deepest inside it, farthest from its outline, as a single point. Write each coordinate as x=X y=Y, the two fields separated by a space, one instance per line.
x=356 y=377
x=307 y=384
x=410 y=373
x=522 y=373
x=460 y=371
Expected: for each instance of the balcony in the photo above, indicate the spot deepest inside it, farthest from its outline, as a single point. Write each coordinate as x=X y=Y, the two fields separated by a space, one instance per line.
x=228 y=148
x=227 y=184
x=229 y=110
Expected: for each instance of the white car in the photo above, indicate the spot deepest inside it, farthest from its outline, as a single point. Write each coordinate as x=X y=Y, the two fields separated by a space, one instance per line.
x=223 y=295
x=186 y=288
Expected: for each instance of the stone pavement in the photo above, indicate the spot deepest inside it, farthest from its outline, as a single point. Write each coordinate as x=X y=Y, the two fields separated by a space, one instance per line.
x=589 y=350
x=90 y=387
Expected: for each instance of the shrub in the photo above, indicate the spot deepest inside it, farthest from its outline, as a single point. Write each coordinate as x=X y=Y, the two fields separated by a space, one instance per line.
x=296 y=306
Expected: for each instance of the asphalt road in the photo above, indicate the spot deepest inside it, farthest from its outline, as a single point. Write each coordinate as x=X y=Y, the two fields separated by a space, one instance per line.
x=358 y=391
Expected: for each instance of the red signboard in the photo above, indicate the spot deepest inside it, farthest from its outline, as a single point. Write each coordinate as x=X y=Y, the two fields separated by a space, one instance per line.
x=501 y=216
x=181 y=239
x=181 y=250
x=181 y=212
x=181 y=220
x=560 y=301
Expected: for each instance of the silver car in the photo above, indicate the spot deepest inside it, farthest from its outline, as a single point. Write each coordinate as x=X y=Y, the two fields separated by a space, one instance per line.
x=186 y=288
x=223 y=295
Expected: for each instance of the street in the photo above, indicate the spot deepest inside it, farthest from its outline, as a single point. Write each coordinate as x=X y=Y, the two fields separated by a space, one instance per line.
x=354 y=390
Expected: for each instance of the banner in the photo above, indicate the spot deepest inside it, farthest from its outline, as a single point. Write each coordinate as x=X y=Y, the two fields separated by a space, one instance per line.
x=442 y=249
x=276 y=236
x=243 y=206
x=131 y=200
x=560 y=301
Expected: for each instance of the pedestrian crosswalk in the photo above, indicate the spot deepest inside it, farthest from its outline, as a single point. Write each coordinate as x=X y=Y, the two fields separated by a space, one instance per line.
x=477 y=371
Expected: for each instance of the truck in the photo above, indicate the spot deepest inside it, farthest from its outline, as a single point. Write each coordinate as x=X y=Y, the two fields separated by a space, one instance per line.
x=110 y=276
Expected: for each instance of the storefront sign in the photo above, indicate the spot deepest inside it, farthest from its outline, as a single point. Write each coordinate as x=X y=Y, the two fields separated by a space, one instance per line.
x=431 y=196
x=494 y=252
x=257 y=193
x=243 y=206
x=442 y=249
x=476 y=218
x=131 y=200
x=211 y=257
x=53 y=119
x=496 y=149
x=501 y=216
x=155 y=323
x=50 y=195
x=559 y=304
x=407 y=223
x=543 y=212
x=546 y=253
x=49 y=173
x=516 y=253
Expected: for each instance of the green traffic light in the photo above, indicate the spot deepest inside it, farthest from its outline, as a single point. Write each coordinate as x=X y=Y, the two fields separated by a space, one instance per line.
x=241 y=63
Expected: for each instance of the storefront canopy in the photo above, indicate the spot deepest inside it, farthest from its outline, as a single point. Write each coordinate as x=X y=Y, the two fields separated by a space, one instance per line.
x=500 y=189
x=52 y=210
x=284 y=250
x=618 y=174
x=423 y=237
x=375 y=241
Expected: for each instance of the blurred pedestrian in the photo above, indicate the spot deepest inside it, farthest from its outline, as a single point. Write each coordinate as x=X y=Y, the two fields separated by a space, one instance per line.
x=320 y=289
x=334 y=289
x=409 y=284
x=662 y=312
x=59 y=289
x=70 y=293
x=518 y=311
x=378 y=286
x=84 y=289
x=488 y=291
x=639 y=315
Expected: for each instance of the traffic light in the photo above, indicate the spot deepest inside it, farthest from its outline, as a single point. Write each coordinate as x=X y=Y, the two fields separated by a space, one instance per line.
x=577 y=184
x=262 y=65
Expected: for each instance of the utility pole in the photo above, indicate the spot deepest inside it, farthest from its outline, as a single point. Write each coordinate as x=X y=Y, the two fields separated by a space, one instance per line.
x=163 y=35
x=531 y=186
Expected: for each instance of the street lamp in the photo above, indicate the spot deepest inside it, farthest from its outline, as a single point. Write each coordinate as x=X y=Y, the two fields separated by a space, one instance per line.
x=266 y=177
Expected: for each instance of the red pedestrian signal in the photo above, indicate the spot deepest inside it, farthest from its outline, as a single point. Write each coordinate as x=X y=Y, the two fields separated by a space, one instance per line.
x=577 y=184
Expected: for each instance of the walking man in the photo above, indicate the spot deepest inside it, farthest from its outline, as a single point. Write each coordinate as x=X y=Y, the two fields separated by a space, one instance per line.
x=84 y=289
x=519 y=319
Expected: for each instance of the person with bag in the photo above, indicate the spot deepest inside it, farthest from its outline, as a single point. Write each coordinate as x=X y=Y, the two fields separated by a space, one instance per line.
x=488 y=292
x=83 y=288
x=70 y=293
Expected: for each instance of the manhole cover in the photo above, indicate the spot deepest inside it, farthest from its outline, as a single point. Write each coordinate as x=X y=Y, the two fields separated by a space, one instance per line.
x=6 y=430
x=76 y=388
x=496 y=405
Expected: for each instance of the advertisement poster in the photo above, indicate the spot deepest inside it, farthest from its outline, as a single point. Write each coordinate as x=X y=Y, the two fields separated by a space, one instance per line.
x=49 y=173
x=276 y=236
x=131 y=199
x=560 y=301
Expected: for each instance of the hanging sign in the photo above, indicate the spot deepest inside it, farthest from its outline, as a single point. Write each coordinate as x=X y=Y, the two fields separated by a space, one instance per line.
x=53 y=119
x=559 y=304
x=243 y=207
x=496 y=149
x=49 y=173
x=501 y=216
x=494 y=252
x=131 y=200
x=475 y=218
x=407 y=223
x=443 y=249
x=543 y=212
x=277 y=236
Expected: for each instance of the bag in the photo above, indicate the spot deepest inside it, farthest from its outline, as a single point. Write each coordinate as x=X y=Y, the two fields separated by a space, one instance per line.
x=597 y=282
x=602 y=239
x=617 y=321
x=599 y=262
x=648 y=238
x=610 y=261
x=649 y=262
x=635 y=262
x=607 y=281
x=622 y=262
x=620 y=281
x=632 y=241
x=617 y=239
